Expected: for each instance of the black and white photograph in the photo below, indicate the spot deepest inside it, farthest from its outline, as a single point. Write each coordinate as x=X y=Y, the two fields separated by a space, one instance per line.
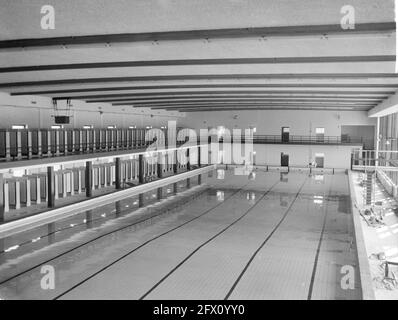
x=198 y=154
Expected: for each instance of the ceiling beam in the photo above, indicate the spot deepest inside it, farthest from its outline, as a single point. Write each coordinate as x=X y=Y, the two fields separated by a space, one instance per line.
x=267 y=76
x=184 y=94
x=263 y=32
x=270 y=108
x=218 y=86
x=188 y=62
x=231 y=98
x=262 y=103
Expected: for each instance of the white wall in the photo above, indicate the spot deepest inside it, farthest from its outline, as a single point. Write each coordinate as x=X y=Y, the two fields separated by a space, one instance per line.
x=270 y=122
x=338 y=157
x=38 y=112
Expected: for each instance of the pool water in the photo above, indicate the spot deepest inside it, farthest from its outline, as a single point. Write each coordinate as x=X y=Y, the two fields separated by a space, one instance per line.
x=268 y=235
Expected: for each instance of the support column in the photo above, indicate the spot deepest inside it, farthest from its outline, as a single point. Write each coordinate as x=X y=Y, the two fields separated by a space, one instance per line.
x=28 y=196
x=64 y=185
x=1 y=197
x=377 y=143
x=188 y=160
x=107 y=140
x=50 y=187
x=38 y=193
x=19 y=145
x=141 y=168
x=72 y=183
x=89 y=178
x=94 y=143
x=8 y=146
x=17 y=194
x=65 y=142
x=73 y=141
x=160 y=165
x=39 y=144
x=29 y=144
x=175 y=188
x=48 y=143
x=199 y=159
x=57 y=142
x=81 y=141
x=118 y=169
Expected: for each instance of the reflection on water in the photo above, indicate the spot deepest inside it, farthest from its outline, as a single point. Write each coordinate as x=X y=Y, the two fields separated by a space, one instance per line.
x=251 y=196
x=220 y=174
x=220 y=195
x=284 y=177
x=252 y=175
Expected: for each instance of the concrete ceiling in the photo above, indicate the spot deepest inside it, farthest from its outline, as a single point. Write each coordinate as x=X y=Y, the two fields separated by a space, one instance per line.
x=202 y=55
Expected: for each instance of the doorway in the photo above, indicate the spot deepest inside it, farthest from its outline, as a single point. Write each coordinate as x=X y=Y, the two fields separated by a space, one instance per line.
x=285 y=134
x=284 y=160
x=320 y=160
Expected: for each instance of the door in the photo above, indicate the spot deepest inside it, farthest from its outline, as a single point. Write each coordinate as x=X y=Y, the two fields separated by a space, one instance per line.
x=319 y=160
x=285 y=134
x=284 y=160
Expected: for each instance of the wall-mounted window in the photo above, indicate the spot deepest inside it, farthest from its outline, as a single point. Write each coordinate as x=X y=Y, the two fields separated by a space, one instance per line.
x=19 y=126
x=320 y=134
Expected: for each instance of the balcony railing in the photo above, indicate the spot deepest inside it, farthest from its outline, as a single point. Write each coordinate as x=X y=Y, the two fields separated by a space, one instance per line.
x=293 y=139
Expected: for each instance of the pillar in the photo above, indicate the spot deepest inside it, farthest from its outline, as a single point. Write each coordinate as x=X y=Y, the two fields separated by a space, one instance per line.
x=29 y=144
x=50 y=187
x=48 y=143
x=57 y=142
x=160 y=165
x=39 y=144
x=1 y=197
x=8 y=146
x=65 y=142
x=89 y=178
x=118 y=177
x=188 y=160
x=141 y=168
x=199 y=162
x=19 y=145
x=38 y=193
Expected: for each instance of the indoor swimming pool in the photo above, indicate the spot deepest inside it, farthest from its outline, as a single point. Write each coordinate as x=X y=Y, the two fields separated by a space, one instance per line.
x=220 y=235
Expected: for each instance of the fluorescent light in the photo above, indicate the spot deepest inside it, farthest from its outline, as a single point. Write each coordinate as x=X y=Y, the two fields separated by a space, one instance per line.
x=88 y=126
x=132 y=127
x=56 y=127
x=111 y=127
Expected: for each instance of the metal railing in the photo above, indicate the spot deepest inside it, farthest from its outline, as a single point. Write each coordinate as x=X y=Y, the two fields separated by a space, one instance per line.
x=299 y=139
